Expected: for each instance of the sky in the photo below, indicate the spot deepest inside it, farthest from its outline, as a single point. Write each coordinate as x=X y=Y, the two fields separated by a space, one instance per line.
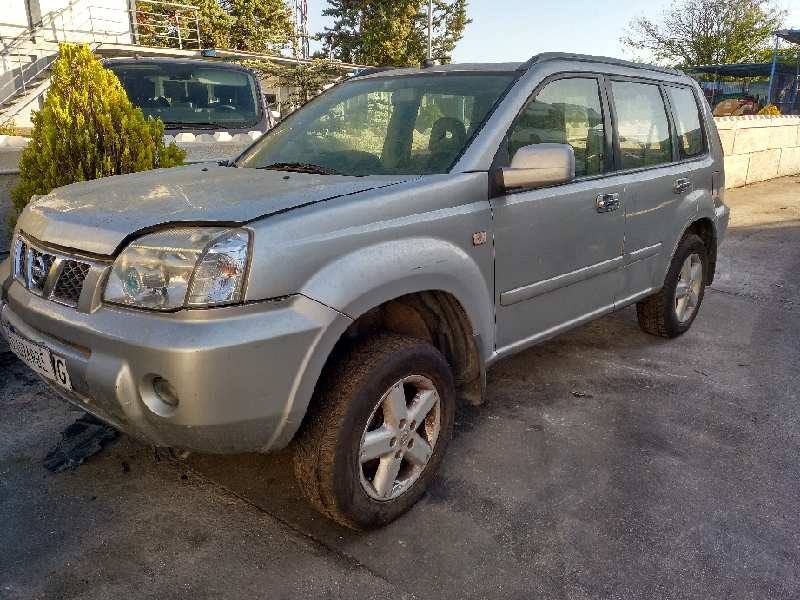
x=515 y=30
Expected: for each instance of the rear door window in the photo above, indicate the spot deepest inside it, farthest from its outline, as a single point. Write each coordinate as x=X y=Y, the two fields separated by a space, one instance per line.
x=687 y=122
x=642 y=125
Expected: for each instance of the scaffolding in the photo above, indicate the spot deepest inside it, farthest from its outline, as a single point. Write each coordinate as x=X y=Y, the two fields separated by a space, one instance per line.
x=783 y=87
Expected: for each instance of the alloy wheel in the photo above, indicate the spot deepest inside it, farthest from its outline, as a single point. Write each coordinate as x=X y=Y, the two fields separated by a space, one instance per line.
x=690 y=283
x=399 y=438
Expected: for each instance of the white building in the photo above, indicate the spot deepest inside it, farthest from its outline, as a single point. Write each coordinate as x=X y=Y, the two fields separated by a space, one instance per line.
x=30 y=31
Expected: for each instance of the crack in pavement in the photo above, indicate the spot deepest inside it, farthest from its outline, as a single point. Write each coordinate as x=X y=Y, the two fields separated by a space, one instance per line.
x=343 y=557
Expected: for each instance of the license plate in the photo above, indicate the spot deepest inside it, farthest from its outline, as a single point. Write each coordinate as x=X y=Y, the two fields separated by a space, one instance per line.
x=40 y=359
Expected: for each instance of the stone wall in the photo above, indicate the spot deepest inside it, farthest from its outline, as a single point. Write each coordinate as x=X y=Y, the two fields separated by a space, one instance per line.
x=758 y=148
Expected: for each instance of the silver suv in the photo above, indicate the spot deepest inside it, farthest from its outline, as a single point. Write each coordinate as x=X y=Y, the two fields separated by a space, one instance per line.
x=351 y=276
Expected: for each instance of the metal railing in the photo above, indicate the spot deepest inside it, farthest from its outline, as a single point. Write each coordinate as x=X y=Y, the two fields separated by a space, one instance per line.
x=166 y=24
x=30 y=53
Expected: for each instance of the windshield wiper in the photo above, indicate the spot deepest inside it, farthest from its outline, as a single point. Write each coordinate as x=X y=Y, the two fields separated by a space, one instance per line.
x=298 y=167
x=186 y=125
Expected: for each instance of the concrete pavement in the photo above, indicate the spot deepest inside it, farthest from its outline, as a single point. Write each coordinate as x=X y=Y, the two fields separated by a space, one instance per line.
x=606 y=464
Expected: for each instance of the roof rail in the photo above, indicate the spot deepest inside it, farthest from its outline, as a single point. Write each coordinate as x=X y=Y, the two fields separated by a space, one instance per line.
x=370 y=70
x=548 y=56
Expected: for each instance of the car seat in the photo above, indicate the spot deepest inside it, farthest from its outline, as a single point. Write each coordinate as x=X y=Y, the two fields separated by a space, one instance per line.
x=448 y=138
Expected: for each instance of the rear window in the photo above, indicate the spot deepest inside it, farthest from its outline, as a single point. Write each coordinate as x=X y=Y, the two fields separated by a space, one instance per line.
x=642 y=125
x=687 y=122
x=192 y=95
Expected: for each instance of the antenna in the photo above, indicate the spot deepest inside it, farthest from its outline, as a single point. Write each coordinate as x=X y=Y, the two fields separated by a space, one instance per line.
x=430 y=29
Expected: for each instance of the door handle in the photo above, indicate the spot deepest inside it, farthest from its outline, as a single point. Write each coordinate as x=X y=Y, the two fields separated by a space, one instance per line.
x=682 y=185
x=607 y=202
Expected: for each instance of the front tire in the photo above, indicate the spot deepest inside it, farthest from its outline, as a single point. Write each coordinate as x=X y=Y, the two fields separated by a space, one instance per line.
x=377 y=431
x=671 y=311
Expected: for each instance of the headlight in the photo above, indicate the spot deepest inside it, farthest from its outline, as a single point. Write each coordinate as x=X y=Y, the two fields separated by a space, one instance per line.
x=198 y=266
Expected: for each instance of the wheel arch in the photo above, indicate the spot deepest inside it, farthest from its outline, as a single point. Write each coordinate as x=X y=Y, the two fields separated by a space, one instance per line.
x=704 y=227
x=438 y=317
x=434 y=315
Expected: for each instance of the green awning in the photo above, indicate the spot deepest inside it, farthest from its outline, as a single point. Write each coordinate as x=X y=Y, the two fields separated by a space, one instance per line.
x=745 y=69
x=790 y=35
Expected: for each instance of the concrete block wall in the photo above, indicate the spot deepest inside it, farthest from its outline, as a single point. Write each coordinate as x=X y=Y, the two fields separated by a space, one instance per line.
x=758 y=148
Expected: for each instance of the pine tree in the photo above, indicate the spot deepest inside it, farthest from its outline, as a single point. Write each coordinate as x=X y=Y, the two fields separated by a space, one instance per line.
x=306 y=80
x=342 y=40
x=392 y=32
x=259 y=25
x=449 y=20
x=88 y=129
x=215 y=24
x=263 y=26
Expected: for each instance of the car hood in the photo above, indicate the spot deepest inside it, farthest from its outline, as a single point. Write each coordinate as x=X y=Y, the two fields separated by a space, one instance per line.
x=97 y=216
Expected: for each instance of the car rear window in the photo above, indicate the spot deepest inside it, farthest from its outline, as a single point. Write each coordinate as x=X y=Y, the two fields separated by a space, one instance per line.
x=687 y=121
x=192 y=95
x=642 y=125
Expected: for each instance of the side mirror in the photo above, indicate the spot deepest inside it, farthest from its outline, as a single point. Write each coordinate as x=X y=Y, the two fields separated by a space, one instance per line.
x=539 y=165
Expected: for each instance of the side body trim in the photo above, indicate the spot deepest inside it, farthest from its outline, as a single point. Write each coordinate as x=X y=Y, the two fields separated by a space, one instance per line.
x=532 y=290
x=642 y=253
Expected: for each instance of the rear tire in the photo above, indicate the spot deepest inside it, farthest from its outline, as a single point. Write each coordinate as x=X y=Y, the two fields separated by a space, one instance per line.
x=377 y=430
x=671 y=312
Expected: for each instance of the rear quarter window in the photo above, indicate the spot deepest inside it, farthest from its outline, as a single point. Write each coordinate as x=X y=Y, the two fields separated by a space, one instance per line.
x=686 y=113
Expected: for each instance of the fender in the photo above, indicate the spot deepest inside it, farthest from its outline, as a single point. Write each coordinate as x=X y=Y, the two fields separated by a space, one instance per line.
x=359 y=281
x=703 y=212
x=363 y=279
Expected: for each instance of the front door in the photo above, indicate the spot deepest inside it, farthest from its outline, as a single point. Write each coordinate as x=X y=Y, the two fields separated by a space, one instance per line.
x=558 y=250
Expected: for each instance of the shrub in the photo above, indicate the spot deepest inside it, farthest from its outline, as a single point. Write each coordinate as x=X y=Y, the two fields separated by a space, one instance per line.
x=88 y=129
x=8 y=127
x=771 y=110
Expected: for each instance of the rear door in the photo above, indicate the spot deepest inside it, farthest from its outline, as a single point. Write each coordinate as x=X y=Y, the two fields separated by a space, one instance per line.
x=558 y=257
x=664 y=165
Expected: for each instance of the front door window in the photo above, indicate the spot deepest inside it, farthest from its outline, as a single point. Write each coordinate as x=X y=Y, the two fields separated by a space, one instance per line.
x=565 y=111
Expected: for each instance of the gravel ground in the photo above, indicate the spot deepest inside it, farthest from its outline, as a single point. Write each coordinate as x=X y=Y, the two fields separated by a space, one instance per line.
x=605 y=464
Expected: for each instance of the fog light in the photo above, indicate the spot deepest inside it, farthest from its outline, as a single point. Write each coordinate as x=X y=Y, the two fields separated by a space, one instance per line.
x=165 y=392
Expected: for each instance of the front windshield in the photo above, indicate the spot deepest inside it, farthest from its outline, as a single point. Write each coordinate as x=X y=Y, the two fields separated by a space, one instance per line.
x=191 y=95
x=414 y=125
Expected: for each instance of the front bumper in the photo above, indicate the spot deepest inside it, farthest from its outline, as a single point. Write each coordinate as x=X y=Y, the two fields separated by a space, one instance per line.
x=236 y=370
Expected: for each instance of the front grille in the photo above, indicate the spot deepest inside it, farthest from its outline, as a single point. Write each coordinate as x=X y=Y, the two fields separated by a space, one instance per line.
x=70 y=282
x=39 y=265
x=49 y=274
x=20 y=256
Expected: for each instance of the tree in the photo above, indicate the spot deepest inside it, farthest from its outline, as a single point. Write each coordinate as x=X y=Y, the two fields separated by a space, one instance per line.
x=392 y=32
x=258 y=25
x=305 y=79
x=263 y=26
x=215 y=24
x=88 y=129
x=697 y=32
